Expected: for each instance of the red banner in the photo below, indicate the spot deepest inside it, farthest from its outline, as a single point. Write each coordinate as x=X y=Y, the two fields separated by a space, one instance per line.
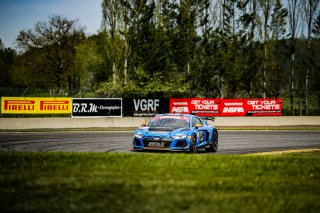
x=264 y=107
x=198 y=106
x=233 y=107
x=226 y=107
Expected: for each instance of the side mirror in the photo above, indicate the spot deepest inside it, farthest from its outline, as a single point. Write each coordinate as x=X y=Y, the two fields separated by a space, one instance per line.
x=199 y=125
x=144 y=123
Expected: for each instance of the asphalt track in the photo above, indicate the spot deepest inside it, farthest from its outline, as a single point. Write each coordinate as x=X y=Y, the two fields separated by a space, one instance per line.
x=230 y=142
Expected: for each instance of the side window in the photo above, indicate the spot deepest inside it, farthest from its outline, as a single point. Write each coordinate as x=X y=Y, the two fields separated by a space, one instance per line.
x=193 y=122
x=196 y=121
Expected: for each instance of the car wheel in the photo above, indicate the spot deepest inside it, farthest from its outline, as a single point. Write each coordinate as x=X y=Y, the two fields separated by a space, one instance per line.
x=214 y=145
x=193 y=147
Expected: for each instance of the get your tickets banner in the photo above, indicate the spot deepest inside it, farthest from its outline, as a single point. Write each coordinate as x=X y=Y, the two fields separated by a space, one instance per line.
x=226 y=107
x=198 y=106
x=251 y=107
x=30 y=105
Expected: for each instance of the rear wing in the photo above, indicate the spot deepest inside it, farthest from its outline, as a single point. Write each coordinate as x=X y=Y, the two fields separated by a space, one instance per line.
x=207 y=118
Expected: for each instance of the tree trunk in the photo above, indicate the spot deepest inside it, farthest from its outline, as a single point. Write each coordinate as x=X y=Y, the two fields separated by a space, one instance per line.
x=265 y=70
x=306 y=99
x=125 y=70
x=293 y=19
x=113 y=72
x=222 y=39
x=266 y=18
x=188 y=73
x=126 y=43
x=292 y=84
x=310 y=9
x=221 y=86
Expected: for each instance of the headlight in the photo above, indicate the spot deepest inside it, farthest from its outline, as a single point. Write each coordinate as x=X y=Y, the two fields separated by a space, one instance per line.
x=179 y=136
x=138 y=135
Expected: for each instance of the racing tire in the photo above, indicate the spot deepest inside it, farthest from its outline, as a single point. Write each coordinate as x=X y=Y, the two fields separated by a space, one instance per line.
x=193 y=147
x=214 y=145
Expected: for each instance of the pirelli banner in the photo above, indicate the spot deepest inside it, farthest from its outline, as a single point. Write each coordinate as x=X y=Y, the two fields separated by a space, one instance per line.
x=30 y=105
x=226 y=107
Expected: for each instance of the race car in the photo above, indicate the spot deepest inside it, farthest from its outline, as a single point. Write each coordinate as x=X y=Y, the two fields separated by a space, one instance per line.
x=176 y=132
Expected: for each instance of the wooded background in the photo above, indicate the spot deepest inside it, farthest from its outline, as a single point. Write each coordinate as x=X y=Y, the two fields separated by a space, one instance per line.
x=175 y=48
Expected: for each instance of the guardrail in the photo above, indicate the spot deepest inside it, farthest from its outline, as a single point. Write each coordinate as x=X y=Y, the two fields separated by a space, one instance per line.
x=131 y=122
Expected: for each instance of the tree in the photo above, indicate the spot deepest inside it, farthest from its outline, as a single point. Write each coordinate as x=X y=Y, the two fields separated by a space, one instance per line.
x=278 y=47
x=309 y=7
x=204 y=77
x=90 y=62
x=234 y=72
x=266 y=6
x=316 y=27
x=7 y=58
x=251 y=47
x=111 y=22
x=125 y=16
x=315 y=59
x=186 y=38
x=52 y=46
x=294 y=20
x=224 y=32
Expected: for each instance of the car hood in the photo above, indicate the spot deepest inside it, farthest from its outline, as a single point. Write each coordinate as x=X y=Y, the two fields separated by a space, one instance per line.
x=163 y=130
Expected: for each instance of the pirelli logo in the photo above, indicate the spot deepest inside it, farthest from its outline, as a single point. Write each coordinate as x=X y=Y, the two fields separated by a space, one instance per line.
x=54 y=105
x=18 y=105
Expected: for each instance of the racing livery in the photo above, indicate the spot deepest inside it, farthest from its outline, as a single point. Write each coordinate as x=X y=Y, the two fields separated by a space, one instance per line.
x=176 y=132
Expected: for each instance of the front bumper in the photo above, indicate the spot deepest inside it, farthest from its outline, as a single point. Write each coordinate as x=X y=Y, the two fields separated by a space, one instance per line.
x=169 y=144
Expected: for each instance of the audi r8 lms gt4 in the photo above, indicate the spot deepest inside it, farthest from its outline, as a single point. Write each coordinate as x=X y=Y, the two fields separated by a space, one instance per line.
x=176 y=132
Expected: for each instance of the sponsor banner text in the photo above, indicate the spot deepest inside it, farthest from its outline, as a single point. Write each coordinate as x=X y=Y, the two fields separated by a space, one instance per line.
x=97 y=107
x=33 y=105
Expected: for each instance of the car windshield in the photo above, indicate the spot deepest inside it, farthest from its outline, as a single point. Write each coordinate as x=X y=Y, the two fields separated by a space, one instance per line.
x=169 y=122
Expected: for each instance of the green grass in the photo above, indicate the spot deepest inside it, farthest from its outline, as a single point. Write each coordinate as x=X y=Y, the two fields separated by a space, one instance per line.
x=108 y=182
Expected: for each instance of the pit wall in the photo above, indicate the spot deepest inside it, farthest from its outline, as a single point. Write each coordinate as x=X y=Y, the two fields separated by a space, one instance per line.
x=131 y=122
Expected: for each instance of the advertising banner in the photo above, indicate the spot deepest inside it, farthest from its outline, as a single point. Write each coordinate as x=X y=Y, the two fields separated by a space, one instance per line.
x=251 y=107
x=264 y=107
x=233 y=107
x=197 y=106
x=97 y=107
x=226 y=107
x=32 y=105
x=145 y=107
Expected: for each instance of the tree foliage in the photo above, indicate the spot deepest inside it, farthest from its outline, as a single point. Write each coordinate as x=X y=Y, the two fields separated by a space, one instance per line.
x=7 y=59
x=49 y=50
x=178 y=48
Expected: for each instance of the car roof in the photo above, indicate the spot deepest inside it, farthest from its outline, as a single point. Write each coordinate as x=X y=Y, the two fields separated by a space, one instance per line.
x=171 y=114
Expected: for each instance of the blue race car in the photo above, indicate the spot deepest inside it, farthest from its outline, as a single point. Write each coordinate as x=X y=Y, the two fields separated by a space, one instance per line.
x=175 y=132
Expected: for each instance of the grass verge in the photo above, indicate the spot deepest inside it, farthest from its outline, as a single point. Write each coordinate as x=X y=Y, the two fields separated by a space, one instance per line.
x=114 y=182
